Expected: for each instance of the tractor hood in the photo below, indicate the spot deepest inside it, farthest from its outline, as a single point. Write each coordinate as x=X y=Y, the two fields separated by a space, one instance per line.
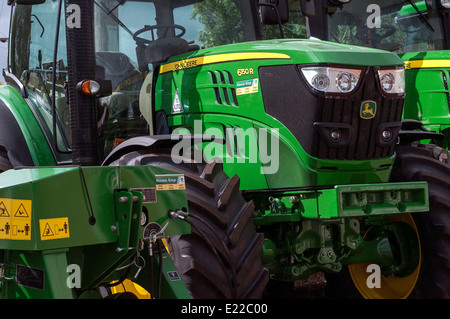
x=299 y=51
x=316 y=51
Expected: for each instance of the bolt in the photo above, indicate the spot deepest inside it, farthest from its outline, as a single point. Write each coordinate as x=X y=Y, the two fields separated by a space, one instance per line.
x=113 y=227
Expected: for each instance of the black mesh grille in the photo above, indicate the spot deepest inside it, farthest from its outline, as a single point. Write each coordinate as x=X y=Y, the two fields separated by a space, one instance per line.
x=223 y=88
x=312 y=117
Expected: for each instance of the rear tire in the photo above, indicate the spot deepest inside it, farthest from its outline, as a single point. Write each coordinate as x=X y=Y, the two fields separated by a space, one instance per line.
x=222 y=256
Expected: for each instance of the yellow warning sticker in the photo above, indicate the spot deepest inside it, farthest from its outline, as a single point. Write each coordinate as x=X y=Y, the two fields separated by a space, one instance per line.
x=54 y=228
x=170 y=187
x=15 y=219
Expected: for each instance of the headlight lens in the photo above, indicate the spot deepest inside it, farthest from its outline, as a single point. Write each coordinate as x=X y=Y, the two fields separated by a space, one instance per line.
x=346 y=81
x=332 y=80
x=445 y=4
x=392 y=81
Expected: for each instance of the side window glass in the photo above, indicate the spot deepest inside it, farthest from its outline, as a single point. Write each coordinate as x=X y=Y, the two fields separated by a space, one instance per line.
x=36 y=67
x=4 y=29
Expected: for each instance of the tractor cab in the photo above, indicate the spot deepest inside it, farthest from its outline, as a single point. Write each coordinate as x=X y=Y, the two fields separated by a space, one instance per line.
x=123 y=43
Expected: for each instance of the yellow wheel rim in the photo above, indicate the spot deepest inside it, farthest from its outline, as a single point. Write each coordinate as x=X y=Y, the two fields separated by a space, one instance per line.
x=391 y=287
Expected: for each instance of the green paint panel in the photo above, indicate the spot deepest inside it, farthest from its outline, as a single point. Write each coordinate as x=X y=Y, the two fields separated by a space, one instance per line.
x=117 y=197
x=347 y=201
x=37 y=143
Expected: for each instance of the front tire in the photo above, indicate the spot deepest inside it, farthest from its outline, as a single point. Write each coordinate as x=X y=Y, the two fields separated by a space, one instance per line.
x=430 y=163
x=221 y=258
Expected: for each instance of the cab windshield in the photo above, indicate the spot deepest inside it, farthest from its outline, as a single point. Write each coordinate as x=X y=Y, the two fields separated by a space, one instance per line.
x=397 y=26
x=133 y=38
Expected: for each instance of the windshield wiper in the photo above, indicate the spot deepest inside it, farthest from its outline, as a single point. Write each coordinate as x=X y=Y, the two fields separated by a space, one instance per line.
x=421 y=16
x=116 y=6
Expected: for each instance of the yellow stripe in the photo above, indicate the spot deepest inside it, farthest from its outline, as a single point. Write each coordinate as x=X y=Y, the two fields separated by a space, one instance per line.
x=194 y=62
x=424 y=64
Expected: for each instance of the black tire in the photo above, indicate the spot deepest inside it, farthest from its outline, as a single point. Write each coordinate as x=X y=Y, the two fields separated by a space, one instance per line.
x=419 y=163
x=430 y=163
x=222 y=256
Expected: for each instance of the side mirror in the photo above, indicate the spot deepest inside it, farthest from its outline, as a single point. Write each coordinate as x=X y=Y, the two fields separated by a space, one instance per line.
x=274 y=11
x=308 y=8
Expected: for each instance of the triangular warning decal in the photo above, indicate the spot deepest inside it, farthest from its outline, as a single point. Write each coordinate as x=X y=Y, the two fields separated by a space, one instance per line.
x=21 y=212
x=176 y=106
x=47 y=231
x=3 y=210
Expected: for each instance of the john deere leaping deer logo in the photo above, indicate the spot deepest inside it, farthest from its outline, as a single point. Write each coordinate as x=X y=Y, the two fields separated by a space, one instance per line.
x=368 y=109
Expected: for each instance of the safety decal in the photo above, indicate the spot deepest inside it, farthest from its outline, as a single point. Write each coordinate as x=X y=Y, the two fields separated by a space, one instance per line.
x=173 y=276
x=15 y=219
x=247 y=87
x=176 y=106
x=54 y=228
x=170 y=182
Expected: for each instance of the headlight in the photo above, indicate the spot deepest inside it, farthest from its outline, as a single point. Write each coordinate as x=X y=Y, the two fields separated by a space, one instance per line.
x=332 y=80
x=392 y=80
x=445 y=4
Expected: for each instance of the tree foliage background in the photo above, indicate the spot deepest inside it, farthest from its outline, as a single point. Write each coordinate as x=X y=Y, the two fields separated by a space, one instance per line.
x=223 y=24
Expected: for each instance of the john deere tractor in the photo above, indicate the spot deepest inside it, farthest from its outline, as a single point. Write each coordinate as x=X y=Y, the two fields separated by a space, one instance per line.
x=200 y=148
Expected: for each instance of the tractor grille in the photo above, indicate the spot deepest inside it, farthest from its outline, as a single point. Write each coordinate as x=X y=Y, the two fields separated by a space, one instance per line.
x=312 y=117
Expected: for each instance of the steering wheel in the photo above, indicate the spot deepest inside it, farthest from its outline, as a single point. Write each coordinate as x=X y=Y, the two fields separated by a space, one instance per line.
x=140 y=40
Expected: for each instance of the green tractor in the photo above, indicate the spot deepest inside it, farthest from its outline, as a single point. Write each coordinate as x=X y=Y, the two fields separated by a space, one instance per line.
x=188 y=148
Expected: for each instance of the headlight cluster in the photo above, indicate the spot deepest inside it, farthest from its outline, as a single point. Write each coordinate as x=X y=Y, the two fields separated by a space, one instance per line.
x=345 y=80
x=332 y=80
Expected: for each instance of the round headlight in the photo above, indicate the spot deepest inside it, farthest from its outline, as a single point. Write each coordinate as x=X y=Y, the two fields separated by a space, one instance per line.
x=320 y=82
x=392 y=81
x=345 y=82
x=445 y=4
x=331 y=79
x=387 y=82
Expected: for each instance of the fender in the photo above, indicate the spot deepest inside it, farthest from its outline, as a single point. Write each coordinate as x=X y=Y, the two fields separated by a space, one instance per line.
x=21 y=131
x=13 y=139
x=154 y=142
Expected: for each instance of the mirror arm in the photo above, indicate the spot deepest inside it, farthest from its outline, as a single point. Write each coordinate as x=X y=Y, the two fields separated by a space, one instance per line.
x=275 y=7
